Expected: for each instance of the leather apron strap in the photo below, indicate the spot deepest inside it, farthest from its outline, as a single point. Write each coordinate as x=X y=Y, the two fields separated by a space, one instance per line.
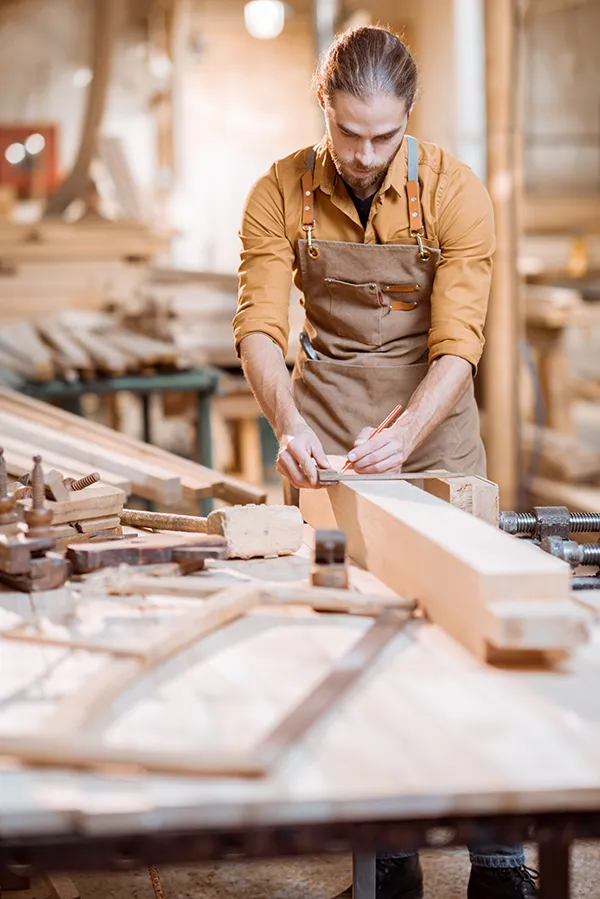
x=413 y=195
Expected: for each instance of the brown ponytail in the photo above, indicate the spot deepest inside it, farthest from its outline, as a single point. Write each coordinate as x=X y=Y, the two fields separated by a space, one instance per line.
x=366 y=61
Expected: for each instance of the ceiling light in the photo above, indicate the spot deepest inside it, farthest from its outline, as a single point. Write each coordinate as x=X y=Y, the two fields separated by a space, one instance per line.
x=15 y=154
x=82 y=77
x=264 y=18
x=35 y=143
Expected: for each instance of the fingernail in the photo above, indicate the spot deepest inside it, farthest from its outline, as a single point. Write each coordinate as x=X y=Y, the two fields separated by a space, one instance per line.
x=352 y=457
x=359 y=442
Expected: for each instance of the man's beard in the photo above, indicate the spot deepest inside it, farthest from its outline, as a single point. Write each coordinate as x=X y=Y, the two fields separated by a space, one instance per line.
x=371 y=177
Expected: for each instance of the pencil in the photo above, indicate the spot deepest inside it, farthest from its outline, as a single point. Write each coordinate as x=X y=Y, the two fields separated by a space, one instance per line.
x=387 y=421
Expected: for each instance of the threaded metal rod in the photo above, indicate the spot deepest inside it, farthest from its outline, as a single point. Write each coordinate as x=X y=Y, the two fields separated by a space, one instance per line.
x=517 y=522
x=526 y=522
x=584 y=522
x=37 y=484
x=86 y=481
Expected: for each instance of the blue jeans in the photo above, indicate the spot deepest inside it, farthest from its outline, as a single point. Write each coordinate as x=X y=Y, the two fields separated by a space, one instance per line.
x=490 y=856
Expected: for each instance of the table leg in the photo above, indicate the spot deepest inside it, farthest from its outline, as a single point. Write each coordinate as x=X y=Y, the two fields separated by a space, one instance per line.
x=204 y=430
x=554 y=863
x=363 y=876
x=146 y=422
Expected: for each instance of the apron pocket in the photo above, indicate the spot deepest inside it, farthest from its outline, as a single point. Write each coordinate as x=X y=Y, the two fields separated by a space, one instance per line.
x=356 y=310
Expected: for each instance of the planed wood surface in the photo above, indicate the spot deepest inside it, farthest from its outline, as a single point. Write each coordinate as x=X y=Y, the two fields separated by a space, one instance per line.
x=458 y=568
x=96 y=501
x=490 y=728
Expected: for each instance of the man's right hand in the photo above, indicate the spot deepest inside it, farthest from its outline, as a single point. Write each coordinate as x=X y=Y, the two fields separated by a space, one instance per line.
x=300 y=454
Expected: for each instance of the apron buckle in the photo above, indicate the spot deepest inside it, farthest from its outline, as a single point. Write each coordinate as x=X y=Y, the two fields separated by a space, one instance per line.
x=313 y=252
x=424 y=253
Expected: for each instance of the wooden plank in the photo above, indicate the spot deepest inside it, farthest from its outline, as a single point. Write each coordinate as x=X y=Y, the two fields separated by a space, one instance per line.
x=344 y=675
x=24 y=339
x=454 y=565
x=106 y=358
x=147 y=479
x=71 y=354
x=19 y=453
x=94 y=525
x=196 y=480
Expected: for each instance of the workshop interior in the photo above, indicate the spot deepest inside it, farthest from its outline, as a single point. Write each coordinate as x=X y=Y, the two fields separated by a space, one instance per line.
x=299 y=449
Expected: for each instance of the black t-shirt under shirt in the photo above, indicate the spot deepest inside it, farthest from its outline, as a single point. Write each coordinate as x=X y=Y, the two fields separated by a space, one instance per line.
x=363 y=207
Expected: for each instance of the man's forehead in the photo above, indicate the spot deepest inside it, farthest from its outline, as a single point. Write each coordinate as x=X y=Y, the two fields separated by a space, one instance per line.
x=380 y=114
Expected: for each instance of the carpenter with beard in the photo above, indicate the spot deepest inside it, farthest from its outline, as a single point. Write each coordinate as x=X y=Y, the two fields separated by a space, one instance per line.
x=390 y=242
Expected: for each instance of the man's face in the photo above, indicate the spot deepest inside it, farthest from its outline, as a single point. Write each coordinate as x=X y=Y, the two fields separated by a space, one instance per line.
x=363 y=136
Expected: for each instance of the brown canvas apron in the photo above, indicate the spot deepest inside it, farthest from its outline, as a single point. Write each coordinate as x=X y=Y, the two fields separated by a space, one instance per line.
x=368 y=313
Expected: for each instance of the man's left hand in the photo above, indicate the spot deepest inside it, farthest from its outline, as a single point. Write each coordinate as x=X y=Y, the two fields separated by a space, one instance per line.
x=385 y=453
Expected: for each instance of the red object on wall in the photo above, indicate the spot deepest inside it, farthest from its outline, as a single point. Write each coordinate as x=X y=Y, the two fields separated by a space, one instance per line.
x=37 y=174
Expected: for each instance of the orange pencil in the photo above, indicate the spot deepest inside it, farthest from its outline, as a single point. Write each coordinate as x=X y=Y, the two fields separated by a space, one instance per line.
x=393 y=414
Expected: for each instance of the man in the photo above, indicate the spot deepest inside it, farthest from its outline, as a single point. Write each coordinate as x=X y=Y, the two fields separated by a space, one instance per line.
x=390 y=242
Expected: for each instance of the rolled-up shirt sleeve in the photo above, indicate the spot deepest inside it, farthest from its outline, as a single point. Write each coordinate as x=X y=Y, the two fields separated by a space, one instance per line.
x=462 y=283
x=267 y=259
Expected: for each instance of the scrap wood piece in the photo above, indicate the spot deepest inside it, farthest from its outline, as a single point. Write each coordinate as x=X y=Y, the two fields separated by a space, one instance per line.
x=451 y=563
x=345 y=673
x=196 y=480
x=147 y=479
x=87 y=557
x=47 y=749
x=322 y=599
x=92 y=701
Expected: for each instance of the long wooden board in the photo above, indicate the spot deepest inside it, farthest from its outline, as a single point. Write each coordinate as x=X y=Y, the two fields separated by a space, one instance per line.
x=466 y=574
x=147 y=479
x=196 y=480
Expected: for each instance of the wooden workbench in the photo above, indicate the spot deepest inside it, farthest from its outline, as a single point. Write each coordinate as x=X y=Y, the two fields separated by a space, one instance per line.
x=432 y=748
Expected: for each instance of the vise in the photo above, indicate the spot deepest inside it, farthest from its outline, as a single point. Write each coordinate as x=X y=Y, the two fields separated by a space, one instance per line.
x=551 y=527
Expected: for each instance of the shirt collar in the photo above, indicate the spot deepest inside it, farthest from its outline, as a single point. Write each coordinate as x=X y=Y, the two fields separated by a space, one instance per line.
x=325 y=173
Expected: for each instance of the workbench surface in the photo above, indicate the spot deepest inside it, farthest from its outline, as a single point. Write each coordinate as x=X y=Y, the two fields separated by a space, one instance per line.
x=429 y=733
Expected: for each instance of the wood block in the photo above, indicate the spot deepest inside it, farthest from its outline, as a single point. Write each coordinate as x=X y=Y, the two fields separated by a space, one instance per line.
x=472 y=494
x=93 y=556
x=95 y=525
x=258 y=530
x=55 y=486
x=23 y=337
x=451 y=563
x=96 y=501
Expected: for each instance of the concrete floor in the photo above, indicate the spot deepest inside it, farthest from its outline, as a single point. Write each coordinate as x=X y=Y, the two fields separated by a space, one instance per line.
x=446 y=876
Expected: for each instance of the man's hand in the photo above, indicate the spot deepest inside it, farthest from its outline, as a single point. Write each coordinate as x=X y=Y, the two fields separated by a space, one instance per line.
x=385 y=453
x=300 y=452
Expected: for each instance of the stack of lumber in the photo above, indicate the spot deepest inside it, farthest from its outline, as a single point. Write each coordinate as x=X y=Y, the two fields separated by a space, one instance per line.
x=563 y=332
x=79 y=345
x=76 y=446
x=89 y=238
x=194 y=310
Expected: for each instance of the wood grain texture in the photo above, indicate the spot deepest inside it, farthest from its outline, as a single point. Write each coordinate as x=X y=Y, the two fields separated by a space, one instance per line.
x=454 y=565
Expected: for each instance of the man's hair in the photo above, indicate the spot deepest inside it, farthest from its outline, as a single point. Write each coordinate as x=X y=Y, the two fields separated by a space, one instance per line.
x=366 y=61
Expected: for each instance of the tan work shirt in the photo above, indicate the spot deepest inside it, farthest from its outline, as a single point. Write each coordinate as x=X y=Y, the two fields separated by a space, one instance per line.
x=458 y=218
